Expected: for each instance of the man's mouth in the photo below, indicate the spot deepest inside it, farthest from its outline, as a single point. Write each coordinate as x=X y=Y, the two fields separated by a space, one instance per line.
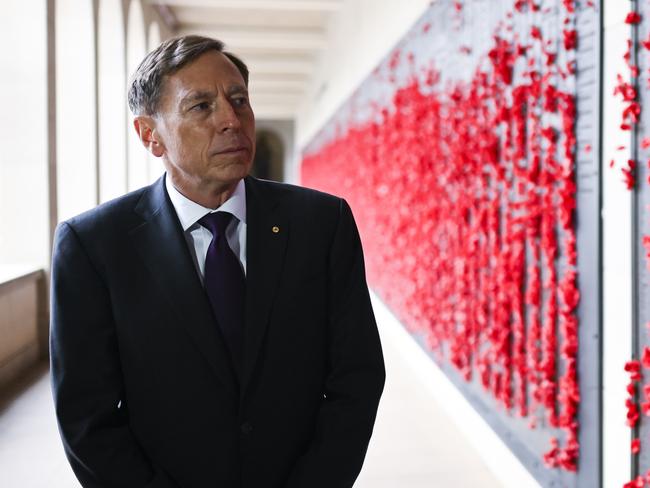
x=232 y=150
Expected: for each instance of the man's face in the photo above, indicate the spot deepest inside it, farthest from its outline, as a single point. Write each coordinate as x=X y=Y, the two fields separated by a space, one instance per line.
x=205 y=123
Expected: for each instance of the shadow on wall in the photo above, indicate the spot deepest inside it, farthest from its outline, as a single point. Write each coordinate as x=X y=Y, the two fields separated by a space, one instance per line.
x=269 y=156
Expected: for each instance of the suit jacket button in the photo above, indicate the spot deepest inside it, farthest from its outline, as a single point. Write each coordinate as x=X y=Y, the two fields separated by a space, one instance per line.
x=246 y=428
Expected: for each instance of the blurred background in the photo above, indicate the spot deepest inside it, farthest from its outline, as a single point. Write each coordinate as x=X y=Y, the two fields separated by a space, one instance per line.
x=495 y=155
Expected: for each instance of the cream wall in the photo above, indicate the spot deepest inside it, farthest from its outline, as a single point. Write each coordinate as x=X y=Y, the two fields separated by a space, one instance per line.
x=360 y=34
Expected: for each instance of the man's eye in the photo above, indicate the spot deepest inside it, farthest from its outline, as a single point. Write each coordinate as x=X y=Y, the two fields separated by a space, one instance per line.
x=240 y=101
x=201 y=106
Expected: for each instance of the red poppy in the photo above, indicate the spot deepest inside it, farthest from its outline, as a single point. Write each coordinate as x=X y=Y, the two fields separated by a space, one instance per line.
x=645 y=357
x=637 y=482
x=633 y=18
x=570 y=39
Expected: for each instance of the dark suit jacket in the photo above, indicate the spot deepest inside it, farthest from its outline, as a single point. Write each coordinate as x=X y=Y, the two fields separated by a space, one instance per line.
x=145 y=394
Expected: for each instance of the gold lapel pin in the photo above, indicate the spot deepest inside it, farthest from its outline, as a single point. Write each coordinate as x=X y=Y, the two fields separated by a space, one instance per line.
x=275 y=229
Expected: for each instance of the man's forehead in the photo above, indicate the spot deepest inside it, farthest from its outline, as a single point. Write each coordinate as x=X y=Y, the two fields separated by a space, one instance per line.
x=207 y=90
x=208 y=71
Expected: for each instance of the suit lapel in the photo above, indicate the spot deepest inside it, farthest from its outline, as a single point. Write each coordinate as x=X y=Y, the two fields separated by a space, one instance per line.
x=164 y=251
x=267 y=231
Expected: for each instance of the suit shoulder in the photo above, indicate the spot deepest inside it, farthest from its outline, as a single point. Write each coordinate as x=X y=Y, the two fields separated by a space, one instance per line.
x=314 y=211
x=301 y=195
x=108 y=216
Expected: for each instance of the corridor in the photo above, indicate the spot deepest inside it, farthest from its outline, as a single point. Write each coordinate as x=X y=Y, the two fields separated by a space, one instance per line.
x=483 y=166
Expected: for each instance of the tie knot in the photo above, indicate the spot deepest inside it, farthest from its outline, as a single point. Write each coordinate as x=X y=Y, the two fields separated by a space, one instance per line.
x=216 y=222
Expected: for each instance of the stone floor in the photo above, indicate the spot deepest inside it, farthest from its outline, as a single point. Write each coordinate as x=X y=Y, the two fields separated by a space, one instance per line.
x=31 y=454
x=415 y=445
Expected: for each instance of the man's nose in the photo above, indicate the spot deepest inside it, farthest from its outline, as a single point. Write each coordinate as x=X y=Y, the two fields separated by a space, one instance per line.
x=227 y=118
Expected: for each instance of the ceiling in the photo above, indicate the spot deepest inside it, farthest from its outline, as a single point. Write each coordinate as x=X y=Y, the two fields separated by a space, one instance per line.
x=279 y=40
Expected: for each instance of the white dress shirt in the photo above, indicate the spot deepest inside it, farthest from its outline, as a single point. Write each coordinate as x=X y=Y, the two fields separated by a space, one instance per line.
x=198 y=237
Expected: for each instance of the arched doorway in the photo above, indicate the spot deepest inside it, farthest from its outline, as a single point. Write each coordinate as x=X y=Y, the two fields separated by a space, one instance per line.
x=269 y=156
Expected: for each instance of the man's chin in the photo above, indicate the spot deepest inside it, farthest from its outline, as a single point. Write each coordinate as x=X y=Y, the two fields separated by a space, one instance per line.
x=232 y=171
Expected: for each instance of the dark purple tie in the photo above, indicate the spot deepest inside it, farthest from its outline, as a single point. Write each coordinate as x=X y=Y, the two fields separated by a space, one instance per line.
x=225 y=285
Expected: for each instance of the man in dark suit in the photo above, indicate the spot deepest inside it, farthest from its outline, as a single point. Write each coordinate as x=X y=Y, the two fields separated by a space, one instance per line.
x=211 y=329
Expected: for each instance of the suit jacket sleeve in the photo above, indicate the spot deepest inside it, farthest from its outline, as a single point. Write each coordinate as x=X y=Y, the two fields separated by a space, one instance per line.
x=356 y=371
x=86 y=375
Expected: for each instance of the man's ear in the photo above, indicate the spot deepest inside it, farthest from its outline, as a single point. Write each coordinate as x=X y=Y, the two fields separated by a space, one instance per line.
x=145 y=127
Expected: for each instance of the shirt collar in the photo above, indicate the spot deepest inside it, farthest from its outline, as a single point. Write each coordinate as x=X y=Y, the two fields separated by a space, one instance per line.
x=189 y=212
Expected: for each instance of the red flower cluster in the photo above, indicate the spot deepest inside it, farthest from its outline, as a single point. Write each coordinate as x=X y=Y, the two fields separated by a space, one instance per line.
x=569 y=6
x=570 y=38
x=522 y=5
x=628 y=93
x=628 y=174
x=638 y=482
x=465 y=197
x=632 y=18
x=634 y=368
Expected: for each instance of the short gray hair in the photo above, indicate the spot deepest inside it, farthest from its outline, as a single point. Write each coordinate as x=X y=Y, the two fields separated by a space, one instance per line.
x=146 y=84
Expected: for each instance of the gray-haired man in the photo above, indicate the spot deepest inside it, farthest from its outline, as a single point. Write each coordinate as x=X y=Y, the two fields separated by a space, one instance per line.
x=212 y=329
